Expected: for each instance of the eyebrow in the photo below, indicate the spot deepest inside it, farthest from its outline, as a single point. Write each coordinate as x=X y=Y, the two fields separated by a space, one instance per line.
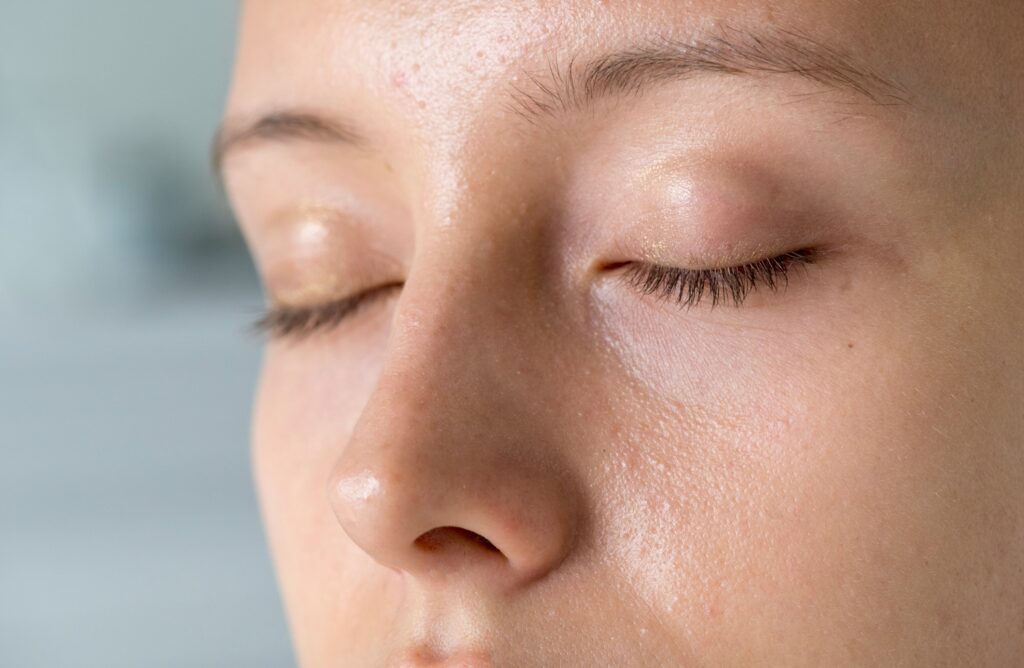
x=282 y=126
x=726 y=50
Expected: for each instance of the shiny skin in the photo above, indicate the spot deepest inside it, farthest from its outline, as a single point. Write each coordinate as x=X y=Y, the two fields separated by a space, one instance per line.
x=826 y=475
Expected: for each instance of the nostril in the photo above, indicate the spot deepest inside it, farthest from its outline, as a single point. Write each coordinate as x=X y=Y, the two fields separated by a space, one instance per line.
x=445 y=537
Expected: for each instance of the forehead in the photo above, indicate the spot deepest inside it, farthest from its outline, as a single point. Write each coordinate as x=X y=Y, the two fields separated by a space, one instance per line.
x=440 y=59
x=429 y=79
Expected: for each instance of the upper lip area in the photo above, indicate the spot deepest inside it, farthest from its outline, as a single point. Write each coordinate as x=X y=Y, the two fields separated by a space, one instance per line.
x=425 y=657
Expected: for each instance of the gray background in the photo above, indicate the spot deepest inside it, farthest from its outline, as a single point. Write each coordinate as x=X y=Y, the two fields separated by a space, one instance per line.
x=129 y=534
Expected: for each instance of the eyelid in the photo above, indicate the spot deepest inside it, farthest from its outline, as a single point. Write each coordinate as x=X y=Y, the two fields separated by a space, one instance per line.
x=688 y=287
x=287 y=321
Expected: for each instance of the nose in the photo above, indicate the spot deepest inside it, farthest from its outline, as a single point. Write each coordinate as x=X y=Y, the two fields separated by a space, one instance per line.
x=449 y=472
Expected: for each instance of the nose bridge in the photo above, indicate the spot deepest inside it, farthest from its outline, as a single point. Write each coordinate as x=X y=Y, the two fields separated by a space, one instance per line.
x=444 y=324
x=448 y=461
x=453 y=333
x=475 y=288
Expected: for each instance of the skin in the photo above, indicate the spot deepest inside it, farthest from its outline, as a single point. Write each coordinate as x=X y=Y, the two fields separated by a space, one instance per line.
x=827 y=474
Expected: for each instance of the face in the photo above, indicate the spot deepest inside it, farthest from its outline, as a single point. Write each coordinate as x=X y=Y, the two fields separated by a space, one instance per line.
x=653 y=334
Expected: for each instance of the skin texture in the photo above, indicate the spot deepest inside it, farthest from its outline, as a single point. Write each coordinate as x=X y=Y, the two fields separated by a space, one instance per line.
x=826 y=475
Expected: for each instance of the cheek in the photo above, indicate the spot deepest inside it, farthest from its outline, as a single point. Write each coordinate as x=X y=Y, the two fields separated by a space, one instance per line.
x=309 y=399
x=777 y=483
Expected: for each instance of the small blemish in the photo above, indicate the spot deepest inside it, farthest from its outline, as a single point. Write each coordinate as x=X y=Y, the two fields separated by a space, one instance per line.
x=849 y=345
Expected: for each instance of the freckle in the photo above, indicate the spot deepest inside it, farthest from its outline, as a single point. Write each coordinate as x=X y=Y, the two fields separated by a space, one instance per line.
x=479 y=54
x=421 y=104
x=849 y=345
x=415 y=67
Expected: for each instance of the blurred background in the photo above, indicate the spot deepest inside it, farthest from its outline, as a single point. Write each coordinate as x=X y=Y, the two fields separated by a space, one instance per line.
x=129 y=533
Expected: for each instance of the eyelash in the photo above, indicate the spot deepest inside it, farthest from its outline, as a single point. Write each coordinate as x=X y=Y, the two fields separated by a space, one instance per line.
x=687 y=287
x=298 y=321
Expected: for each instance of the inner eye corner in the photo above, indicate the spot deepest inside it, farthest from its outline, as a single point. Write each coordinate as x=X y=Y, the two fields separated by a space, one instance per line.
x=613 y=265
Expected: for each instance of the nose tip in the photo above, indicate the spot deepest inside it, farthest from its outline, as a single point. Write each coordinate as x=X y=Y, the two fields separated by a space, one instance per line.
x=449 y=471
x=503 y=530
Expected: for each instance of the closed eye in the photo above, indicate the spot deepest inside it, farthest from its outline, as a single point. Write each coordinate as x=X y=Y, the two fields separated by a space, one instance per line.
x=685 y=287
x=281 y=321
x=731 y=285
